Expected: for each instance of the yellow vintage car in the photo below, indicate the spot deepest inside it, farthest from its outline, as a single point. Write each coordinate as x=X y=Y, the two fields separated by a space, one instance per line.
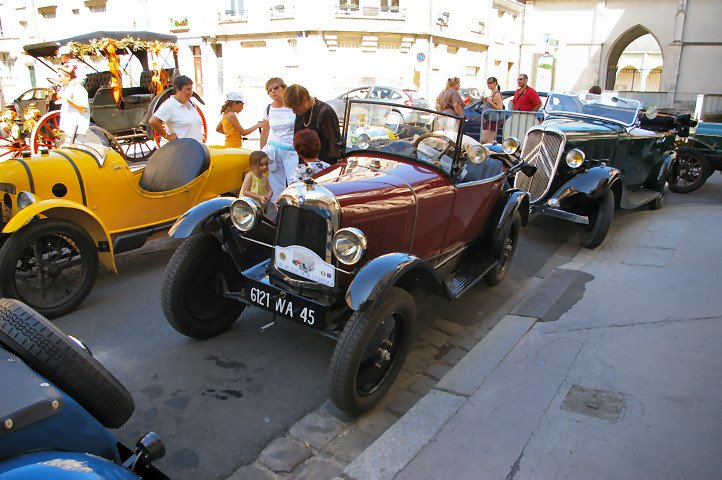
x=66 y=209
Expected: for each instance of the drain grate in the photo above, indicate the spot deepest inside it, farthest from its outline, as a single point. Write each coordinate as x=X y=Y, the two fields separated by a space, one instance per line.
x=538 y=303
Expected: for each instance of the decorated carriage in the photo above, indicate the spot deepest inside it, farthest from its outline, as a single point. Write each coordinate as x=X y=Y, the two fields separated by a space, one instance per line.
x=139 y=76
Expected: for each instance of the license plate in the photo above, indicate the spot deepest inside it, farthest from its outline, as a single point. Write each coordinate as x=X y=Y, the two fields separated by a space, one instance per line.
x=288 y=305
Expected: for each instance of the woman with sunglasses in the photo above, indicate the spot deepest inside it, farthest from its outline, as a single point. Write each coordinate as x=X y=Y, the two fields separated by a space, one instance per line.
x=277 y=137
x=492 y=119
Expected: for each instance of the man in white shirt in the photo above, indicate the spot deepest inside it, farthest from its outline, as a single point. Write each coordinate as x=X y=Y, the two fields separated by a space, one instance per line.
x=179 y=114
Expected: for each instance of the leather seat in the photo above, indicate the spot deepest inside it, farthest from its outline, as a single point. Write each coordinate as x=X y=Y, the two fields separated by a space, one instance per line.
x=175 y=164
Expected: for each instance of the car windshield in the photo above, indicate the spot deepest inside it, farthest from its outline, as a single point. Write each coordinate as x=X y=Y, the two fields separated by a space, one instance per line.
x=415 y=133
x=607 y=105
x=94 y=142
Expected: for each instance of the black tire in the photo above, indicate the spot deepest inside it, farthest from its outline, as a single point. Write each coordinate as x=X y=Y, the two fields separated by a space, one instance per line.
x=599 y=222
x=506 y=253
x=359 y=376
x=693 y=169
x=63 y=362
x=192 y=291
x=50 y=265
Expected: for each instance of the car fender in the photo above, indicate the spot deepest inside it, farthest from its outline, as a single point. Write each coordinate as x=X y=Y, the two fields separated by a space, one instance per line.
x=74 y=212
x=517 y=201
x=669 y=162
x=65 y=465
x=193 y=220
x=594 y=183
x=375 y=278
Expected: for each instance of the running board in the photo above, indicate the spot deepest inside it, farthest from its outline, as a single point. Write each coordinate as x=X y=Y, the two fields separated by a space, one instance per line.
x=639 y=197
x=463 y=278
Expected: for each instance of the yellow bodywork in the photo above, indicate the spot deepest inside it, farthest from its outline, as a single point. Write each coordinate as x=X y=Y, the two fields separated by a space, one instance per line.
x=106 y=200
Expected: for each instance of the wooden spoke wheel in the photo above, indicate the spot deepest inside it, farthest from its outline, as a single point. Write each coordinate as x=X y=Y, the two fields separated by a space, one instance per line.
x=12 y=148
x=45 y=133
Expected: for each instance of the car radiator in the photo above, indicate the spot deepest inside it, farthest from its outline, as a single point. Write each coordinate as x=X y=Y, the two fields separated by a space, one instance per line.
x=542 y=148
x=304 y=227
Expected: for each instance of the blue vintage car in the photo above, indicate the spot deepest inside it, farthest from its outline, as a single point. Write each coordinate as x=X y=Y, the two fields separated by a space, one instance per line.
x=595 y=153
x=57 y=404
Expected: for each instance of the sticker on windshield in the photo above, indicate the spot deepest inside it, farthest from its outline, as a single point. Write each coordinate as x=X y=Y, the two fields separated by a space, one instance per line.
x=305 y=263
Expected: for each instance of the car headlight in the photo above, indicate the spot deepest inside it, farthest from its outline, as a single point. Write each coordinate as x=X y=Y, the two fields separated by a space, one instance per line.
x=245 y=213
x=510 y=145
x=363 y=141
x=477 y=154
x=25 y=199
x=349 y=245
x=575 y=158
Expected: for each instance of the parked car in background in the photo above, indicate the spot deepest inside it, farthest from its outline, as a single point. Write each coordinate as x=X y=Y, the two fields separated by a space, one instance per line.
x=425 y=211
x=470 y=95
x=379 y=93
x=68 y=209
x=700 y=155
x=57 y=405
x=516 y=128
x=41 y=97
x=594 y=153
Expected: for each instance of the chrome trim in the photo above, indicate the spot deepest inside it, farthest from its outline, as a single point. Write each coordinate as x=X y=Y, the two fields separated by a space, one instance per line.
x=563 y=214
x=547 y=162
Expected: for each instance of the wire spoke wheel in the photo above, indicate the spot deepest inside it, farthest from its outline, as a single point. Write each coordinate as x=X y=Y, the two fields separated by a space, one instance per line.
x=45 y=133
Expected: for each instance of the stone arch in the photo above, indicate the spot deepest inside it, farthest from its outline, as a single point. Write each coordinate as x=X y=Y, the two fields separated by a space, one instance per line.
x=615 y=52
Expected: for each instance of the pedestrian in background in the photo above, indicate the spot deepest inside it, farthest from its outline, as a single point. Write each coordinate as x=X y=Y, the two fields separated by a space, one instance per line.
x=277 y=137
x=525 y=98
x=74 y=104
x=229 y=124
x=595 y=90
x=449 y=100
x=318 y=116
x=179 y=114
x=491 y=119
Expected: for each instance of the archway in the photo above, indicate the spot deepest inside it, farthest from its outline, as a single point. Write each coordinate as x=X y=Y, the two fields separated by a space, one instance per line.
x=618 y=49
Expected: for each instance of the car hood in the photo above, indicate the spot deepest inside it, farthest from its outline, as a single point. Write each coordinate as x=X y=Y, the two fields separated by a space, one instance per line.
x=574 y=128
x=386 y=198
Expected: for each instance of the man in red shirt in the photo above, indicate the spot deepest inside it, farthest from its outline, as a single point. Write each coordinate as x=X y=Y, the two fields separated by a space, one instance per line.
x=525 y=98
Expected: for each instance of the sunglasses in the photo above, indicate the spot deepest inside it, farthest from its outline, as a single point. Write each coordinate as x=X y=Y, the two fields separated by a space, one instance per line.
x=520 y=79
x=274 y=88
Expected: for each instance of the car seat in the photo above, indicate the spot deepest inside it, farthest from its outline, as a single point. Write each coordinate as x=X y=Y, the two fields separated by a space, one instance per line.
x=175 y=164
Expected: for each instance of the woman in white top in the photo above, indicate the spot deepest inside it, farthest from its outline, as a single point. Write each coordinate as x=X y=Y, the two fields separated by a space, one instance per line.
x=74 y=105
x=179 y=114
x=277 y=138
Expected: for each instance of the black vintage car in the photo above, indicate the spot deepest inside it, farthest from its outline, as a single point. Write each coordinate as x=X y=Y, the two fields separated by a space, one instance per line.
x=594 y=153
x=411 y=208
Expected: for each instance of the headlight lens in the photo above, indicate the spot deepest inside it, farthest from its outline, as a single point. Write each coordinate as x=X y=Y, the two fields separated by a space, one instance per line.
x=477 y=154
x=349 y=245
x=245 y=213
x=510 y=145
x=25 y=199
x=363 y=141
x=575 y=158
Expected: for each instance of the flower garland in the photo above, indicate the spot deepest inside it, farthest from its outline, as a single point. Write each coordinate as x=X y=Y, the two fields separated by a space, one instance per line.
x=109 y=47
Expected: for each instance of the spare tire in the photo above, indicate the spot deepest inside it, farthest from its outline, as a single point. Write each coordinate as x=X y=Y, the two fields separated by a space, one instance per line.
x=63 y=362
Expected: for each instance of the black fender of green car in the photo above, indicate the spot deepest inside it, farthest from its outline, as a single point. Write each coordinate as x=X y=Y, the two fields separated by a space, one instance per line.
x=375 y=278
x=594 y=183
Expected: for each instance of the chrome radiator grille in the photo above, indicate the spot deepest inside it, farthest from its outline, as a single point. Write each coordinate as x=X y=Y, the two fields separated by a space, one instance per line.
x=542 y=148
x=303 y=227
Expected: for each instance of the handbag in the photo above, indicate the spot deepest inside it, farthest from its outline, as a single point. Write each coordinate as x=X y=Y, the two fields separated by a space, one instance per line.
x=491 y=115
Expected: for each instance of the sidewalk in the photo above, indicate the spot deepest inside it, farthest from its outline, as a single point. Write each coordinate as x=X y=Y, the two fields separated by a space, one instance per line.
x=611 y=368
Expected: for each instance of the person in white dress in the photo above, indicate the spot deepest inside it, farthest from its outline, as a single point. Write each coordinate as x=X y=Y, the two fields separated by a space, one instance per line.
x=277 y=138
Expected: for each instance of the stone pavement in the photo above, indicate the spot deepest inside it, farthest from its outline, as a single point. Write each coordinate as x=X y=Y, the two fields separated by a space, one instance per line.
x=607 y=368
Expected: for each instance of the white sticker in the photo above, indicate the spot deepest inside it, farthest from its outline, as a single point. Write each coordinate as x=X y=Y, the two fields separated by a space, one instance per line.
x=305 y=263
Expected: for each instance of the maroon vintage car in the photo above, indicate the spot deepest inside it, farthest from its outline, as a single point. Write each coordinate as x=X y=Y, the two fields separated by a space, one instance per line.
x=411 y=208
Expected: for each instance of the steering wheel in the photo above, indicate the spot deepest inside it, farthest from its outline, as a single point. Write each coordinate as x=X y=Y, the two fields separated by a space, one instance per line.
x=450 y=145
